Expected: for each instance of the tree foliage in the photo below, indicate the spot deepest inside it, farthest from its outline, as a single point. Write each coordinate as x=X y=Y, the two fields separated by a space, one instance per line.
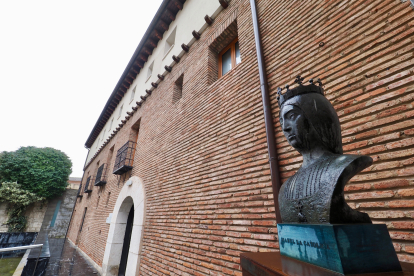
x=13 y=193
x=43 y=171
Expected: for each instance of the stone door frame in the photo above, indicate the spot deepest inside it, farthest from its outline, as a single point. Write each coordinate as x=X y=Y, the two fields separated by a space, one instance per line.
x=129 y=195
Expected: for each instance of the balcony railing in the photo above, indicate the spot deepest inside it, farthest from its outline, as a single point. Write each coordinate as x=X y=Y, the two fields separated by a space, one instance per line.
x=79 y=191
x=88 y=185
x=100 y=179
x=124 y=158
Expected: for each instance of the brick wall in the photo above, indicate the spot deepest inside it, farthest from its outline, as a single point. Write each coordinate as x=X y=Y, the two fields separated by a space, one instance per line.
x=203 y=159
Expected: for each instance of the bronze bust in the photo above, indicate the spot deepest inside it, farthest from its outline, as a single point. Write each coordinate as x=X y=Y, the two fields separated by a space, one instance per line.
x=315 y=194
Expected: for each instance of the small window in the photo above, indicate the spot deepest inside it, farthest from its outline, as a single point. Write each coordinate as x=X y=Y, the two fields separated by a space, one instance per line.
x=178 y=89
x=110 y=125
x=120 y=111
x=150 y=68
x=169 y=43
x=229 y=57
x=132 y=95
x=83 y=219
x=107 y=199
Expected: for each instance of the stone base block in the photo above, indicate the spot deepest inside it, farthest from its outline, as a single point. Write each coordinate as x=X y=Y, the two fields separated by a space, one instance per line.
x=343 y=248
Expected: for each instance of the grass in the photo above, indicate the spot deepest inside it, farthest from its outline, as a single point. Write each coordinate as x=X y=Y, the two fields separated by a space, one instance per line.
x=9 y=265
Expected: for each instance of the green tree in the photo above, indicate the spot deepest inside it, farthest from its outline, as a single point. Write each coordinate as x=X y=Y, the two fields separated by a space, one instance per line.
x=43 y=171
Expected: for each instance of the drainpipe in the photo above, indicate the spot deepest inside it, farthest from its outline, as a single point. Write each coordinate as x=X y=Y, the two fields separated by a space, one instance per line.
x=270 y=131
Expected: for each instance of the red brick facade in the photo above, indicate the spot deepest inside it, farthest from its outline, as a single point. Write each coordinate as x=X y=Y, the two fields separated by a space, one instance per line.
x=203 y=157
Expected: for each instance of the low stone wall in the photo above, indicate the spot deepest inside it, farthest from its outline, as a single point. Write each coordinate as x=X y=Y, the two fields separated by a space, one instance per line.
x=34 y=213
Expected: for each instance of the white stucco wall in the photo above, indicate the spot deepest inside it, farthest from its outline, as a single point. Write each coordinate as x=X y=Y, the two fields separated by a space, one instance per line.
x=190 y=18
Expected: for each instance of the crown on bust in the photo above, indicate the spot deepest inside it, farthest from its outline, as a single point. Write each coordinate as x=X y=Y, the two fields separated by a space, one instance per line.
x=299 y=90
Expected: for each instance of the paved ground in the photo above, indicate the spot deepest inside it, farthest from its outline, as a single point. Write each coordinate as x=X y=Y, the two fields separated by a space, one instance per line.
x=72 y=263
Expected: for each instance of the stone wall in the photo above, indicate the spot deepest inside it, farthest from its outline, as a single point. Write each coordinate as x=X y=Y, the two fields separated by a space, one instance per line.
x=3 y=217
x=34 y=215
x=203 y=159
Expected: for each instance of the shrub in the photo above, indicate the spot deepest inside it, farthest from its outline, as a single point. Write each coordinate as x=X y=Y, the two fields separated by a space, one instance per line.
x=43 y=171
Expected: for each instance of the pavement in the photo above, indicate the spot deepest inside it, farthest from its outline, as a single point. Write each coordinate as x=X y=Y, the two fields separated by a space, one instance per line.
x=72 y=263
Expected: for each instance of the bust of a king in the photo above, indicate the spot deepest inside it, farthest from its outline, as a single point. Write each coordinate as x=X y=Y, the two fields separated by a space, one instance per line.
x=315 y=193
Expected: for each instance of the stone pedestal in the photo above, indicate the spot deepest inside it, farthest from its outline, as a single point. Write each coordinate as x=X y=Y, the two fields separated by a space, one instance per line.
x=274 y=264
x=343 y=248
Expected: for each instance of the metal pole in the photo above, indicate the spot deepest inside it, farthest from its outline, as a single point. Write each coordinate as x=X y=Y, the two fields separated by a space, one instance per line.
x=270 y=132
x=20 y=247
x=38 y=256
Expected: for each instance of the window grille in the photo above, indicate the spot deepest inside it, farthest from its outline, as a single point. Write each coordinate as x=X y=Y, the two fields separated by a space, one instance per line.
x=87 y=188
x=100 y=179
x=124 y=158
x=79 y=191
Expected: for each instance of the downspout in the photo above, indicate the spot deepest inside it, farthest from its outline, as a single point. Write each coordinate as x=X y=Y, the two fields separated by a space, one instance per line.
x=270 y=131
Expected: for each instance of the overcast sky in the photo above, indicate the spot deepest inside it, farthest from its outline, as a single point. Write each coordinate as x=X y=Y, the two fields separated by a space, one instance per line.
x=59 y=62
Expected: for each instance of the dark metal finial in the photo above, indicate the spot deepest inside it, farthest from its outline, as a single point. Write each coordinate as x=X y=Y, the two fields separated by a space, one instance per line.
x=318 y=80
x=311 y=81
x=299 y=80
x=287 y=87
x=279 y=91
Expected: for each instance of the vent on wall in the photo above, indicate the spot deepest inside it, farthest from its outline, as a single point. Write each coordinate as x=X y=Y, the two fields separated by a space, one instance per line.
x=178 y=89
x=150 y=68
x=120 y=111
x=132 y=95
x=110 y=124
x=169 y=43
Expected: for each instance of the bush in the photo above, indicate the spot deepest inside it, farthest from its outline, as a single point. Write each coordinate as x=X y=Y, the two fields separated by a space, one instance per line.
x=43 y=171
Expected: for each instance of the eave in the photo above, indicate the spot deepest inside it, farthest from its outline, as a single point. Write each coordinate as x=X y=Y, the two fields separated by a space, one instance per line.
x=159 y=25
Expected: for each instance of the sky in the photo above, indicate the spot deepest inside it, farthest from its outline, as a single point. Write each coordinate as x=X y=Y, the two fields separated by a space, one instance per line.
x=59 y=63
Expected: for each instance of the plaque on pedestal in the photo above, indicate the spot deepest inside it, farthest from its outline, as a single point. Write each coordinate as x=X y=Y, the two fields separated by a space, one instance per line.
x=346 y=249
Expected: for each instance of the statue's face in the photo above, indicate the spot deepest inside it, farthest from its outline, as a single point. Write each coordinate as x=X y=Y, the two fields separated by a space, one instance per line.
x=310 y=122
x=294 y=126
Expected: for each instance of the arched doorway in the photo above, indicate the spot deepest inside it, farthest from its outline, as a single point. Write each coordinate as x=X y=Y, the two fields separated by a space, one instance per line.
x=127 y=242
x=119 y=258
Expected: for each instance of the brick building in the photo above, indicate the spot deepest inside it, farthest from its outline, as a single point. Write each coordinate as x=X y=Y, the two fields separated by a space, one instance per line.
x=186 y=138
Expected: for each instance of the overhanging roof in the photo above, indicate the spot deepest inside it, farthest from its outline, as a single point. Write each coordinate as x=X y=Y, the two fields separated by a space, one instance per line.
x=160 y=23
